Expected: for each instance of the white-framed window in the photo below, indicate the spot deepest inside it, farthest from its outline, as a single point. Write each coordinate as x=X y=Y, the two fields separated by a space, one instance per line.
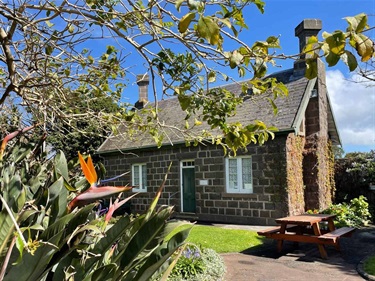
x=239 y=175
x=139 y=177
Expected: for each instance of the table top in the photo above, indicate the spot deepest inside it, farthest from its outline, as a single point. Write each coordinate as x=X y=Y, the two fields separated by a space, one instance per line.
x=305 y=219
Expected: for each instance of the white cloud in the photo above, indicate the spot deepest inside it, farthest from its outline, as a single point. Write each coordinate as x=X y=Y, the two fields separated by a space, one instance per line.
x=354 y=108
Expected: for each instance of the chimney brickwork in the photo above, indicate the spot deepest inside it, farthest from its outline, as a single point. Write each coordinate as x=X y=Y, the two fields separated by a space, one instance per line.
x=306 y=29
x=316 y=194
x=143 y=81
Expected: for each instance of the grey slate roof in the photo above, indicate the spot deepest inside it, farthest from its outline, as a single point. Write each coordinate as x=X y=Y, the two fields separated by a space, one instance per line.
x=256 y=108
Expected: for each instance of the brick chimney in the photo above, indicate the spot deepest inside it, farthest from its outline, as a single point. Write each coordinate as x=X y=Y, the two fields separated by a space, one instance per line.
x=143 y=81
x=306 y=29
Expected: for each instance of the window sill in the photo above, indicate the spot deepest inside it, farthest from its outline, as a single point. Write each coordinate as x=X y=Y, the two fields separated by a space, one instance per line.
x=139 y=191
x=238 y=195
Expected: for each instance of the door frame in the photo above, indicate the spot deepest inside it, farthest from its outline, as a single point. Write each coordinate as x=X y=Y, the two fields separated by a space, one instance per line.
x=190 y=164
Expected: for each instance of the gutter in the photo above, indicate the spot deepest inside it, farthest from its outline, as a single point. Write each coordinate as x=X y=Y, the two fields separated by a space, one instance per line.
x=279 y=132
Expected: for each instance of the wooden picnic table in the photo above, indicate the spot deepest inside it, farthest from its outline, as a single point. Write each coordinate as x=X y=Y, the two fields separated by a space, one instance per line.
x=306 y=228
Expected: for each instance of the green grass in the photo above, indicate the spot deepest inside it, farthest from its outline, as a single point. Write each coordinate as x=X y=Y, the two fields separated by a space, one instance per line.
x=224 y=240
x=369 y=265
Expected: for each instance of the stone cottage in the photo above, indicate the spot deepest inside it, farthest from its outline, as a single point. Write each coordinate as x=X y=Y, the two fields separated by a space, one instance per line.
x=285 y=176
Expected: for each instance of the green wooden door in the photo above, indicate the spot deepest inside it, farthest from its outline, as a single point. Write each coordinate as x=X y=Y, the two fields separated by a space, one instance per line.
x=188 y=189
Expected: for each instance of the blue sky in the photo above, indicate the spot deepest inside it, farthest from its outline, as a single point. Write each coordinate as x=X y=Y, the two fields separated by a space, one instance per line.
x=353 y=103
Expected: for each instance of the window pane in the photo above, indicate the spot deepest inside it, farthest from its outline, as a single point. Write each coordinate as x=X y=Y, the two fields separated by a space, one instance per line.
x=232 y=177
x=246 y=173
x=144 y=176
x=136 y=175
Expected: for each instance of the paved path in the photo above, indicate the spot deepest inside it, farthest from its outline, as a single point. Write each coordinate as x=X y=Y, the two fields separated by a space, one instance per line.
x=263 y=263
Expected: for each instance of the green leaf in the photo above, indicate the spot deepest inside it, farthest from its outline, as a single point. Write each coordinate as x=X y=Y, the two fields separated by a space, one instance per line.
x=56 y=227
x=194 y=5
x=20 y=247
x=184 y=101
x=211 y=77
x=311 y=68
x=357 y=23
x=105 y=272
x=6 y=231
x=332 y=59
x=49 y=24
x=111 y=237
x=81 y=217
x=235 y=59
x=311 y=46
x=61 y=165
x=273 y=42
x=209 y=30
x=274 y=106
x=12 y=188
x=281 y=89
x=260 y=68
x=225 y=21
x=49 y=50
x=161 y=254
x=364 y=46
x=71 y=28
x=336 y=42
x=59 y=207
x=185 y=22
x=350 y=60
x=260 y=5
x=32 y=266
x=178 y=4
x=234 y=30
x=144 y=238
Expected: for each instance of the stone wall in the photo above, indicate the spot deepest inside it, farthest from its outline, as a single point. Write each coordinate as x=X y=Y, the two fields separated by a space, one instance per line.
x=212 y=202
x=317 y=154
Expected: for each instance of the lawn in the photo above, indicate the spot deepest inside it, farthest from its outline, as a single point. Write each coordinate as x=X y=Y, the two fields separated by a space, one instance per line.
x=224 y=240
x=369 y=265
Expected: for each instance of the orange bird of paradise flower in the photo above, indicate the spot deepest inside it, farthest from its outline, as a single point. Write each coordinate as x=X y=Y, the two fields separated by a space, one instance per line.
x=94 y=192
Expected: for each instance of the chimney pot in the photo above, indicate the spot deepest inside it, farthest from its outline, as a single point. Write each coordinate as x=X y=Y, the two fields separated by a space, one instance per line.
x=306 y=29
x=143 y=81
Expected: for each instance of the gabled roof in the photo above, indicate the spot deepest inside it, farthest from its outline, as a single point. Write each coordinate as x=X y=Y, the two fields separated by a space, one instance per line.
x=291 y=110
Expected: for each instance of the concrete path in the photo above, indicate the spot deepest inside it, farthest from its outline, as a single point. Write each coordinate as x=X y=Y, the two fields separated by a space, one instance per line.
x=263 y=263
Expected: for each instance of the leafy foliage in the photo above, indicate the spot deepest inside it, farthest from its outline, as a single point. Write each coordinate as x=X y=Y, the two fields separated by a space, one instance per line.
x=189 y=264
x=47 y=68
x=353 y=175
x=362 y=166
x=355 y=213
x=198 y=263
x=82 y=135
x=41 y=238
x=334 y=46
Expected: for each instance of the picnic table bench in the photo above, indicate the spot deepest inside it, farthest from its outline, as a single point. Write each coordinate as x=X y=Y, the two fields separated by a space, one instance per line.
x=305 y=228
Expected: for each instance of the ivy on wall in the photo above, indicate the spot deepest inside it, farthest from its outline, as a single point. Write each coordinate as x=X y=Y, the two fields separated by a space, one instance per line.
x=326 y=172
x=295 y=185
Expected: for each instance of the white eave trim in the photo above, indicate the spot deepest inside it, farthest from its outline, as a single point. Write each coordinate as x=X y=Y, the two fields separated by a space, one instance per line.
x=303 y=105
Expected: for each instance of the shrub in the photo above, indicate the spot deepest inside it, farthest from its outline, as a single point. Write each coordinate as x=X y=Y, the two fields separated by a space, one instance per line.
x=198 y=264
x=353 y=176
x=355 y=213
x=48 y=232
x=190 y=263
